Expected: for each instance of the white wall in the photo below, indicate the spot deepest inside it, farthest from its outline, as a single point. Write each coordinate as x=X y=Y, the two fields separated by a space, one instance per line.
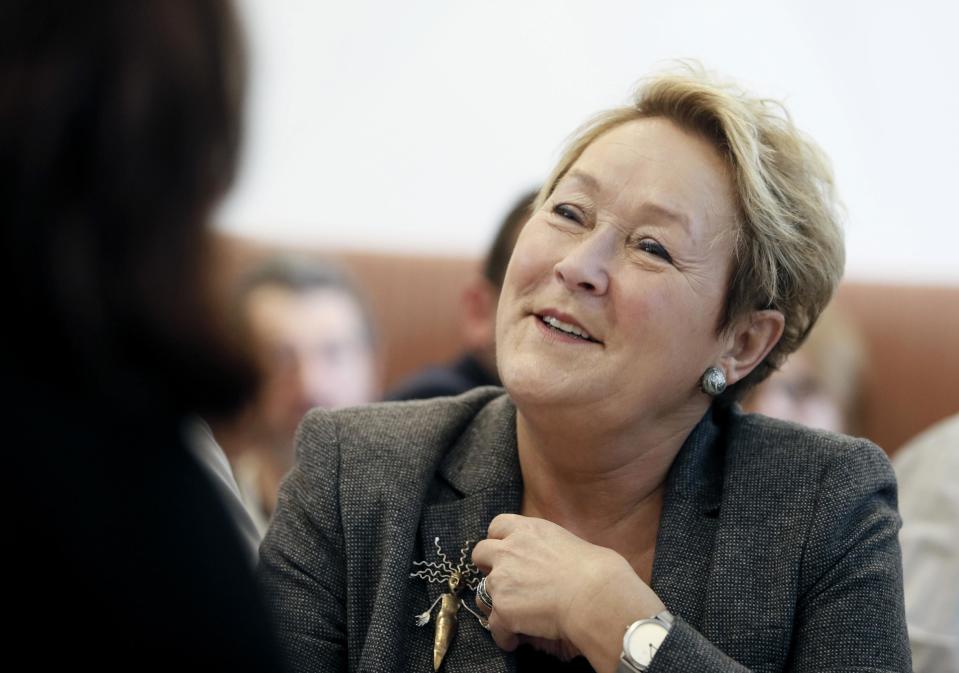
x=410 y=126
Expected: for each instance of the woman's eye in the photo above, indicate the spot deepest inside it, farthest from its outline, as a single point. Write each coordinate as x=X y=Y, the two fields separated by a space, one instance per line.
x=654 y=248
x=568 y=212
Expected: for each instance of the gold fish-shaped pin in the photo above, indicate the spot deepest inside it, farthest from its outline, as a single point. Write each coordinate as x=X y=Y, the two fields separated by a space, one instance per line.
x=446 y=620
x=464 y=574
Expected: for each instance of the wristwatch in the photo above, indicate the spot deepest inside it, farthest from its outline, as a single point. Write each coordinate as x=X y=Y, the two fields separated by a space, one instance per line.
x=641 y=641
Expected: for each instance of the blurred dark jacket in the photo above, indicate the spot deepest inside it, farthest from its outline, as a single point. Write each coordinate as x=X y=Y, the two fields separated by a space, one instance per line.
x=441 y=381
x=122 y=554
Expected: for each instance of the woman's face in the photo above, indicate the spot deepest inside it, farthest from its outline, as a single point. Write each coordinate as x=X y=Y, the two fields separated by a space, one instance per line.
x=631 y=253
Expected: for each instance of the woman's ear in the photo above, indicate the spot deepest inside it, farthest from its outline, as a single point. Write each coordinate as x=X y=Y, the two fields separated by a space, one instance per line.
x=750 y=342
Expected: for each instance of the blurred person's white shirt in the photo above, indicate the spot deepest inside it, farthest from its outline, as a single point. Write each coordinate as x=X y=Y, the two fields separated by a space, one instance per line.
x=248 y=471
x=928 y=472
x=211 y=457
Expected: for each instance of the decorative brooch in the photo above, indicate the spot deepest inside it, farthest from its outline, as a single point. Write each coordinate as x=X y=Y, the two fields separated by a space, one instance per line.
x=455 y=577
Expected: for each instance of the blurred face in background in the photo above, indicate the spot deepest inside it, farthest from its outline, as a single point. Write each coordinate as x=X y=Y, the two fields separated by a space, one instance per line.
x=819 y=385
x=315 y=351
x=797 y=393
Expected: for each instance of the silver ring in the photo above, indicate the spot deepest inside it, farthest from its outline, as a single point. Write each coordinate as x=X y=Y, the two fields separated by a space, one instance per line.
x=482 y=595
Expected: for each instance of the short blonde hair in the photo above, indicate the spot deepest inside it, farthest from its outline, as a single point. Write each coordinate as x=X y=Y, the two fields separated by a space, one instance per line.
x=788 y=252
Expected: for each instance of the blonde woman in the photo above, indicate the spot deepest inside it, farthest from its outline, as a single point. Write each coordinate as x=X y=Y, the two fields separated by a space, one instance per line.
x=629 y=516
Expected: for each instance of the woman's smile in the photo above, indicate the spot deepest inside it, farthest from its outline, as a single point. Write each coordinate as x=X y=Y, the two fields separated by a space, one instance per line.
x=563 y=328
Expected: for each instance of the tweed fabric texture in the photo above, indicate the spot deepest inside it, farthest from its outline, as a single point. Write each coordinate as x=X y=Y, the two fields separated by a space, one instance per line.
x=777 y=548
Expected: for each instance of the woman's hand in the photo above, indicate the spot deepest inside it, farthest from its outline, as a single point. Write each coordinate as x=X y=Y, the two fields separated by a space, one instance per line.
x=559 y=592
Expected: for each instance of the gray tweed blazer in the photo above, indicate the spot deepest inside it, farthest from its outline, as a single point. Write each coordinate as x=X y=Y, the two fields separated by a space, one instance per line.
x=777 y=548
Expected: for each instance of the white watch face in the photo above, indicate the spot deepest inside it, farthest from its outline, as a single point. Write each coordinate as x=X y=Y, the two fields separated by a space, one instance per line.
x=644 y=641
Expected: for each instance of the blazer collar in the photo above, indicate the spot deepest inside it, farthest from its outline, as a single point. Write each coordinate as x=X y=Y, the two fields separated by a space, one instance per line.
x=485 y=457
x=479 y=478
x=696 y=474
x=690 y=519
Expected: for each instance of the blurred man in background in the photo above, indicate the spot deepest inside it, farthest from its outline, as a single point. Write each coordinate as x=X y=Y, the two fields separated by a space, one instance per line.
x=477 y=366
x=314 y=337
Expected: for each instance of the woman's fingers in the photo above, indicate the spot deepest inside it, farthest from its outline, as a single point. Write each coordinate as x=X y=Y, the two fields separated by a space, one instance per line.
x=549 y=587
x=504 y=637
x=504 y=524
x=484 y=554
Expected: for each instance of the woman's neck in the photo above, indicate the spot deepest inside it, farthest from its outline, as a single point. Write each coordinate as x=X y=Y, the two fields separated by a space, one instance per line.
x=604 y=487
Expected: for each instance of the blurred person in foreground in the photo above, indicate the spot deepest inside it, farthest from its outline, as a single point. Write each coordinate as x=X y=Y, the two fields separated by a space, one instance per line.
x=315 y=340
x=928 y=472
x=119 y=133
x=626 y=509
x=477 y=366
x=819 y=385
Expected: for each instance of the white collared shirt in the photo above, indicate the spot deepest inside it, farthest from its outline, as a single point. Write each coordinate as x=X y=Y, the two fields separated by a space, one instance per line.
x=928 y=472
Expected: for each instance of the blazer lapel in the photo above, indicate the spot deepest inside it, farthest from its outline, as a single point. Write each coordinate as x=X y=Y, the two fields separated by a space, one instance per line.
x=688 y=524
x=479 y=479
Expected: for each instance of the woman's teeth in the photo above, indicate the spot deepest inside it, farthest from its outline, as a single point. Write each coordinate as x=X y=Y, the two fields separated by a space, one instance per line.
x=566 y=327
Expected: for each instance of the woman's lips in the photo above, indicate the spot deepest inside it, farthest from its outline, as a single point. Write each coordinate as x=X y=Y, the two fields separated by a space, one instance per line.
x=569 y=331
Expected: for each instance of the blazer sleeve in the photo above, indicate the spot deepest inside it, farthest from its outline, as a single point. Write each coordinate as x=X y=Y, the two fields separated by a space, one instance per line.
x=849 y=615
x=302 y=569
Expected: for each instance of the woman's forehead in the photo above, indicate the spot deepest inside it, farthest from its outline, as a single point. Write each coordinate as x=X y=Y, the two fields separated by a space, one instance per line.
x=652 y=167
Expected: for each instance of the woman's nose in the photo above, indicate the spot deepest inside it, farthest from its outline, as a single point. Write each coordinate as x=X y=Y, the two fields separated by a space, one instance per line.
x=586 y=267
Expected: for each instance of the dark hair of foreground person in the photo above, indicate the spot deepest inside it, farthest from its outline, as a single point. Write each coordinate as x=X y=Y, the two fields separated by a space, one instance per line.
x=119 y=133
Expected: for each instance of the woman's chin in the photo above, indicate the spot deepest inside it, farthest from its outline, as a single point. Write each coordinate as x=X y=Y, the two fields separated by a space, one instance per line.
x=536 y=386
